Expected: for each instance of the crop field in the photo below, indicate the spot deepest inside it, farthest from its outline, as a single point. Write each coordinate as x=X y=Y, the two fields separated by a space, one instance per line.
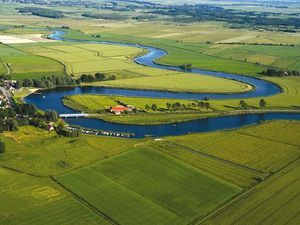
x=160 y=190
x=28 y=200
x=182 y=82
x=88 y=58
x=275 y=201
x=25 y=65
x=44 y=153
x=238 y=176
x=246 y=148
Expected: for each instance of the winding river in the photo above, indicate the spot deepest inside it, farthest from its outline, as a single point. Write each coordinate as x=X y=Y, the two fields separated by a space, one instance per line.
x=51 y=99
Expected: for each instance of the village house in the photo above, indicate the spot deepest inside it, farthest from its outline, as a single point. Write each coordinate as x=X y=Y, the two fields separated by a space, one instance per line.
x=119 y=109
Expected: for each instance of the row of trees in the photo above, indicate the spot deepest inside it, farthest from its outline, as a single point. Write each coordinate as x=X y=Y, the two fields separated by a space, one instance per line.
x=48 y=82
x=179 y=106
x=42 y=12
x=88 y=78
x=280 y=73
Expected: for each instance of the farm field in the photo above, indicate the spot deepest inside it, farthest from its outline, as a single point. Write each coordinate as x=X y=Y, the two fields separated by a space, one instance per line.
x=182 y=82
x=273 y=202
x=247 y=148
x=130 y=186
x=31 y=200
x=25 y=65
x=40 y=152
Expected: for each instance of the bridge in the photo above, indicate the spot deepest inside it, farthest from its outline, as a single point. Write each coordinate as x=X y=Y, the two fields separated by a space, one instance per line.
x=74 y=115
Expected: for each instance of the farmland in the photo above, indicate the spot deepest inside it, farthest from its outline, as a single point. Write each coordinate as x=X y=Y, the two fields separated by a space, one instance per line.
x=28 y=200
x=250 y=149
x=127 y=186
x=53 y=172
x=39 y=152
x=23 y=65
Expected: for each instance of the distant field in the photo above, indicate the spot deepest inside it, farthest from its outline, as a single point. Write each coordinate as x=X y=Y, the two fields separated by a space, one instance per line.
x=275 y=202
x=160 y=190
x=44 y=153
x=30 y=200
x=182 y=82
x=24 y=65
x=84 y=58
x=246 y=147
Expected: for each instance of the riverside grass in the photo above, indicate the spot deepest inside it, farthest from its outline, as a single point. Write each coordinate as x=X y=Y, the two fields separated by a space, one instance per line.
x=130 y=187
x=40 y=152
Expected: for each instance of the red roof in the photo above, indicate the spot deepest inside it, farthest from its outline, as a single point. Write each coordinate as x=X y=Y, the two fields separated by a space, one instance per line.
x=118 y=108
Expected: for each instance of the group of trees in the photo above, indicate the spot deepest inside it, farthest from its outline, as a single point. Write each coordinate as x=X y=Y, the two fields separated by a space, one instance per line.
x=48 y=82
x=280 y=73
x=88 y=78
x=203 y=12
x=243 y=105
x=42 y=12
x=111 y=16
x=179 y=106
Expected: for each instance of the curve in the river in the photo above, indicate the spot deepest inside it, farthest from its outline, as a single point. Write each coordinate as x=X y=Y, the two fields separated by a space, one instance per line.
x=51 y=99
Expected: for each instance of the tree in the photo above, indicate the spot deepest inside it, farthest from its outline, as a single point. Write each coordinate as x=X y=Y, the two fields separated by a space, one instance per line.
x=2 y=147
x=207 y=105
x=12 y=124
x=169 y=105
x=100 y=76
x=262 y=103
x=154 y=107
x=51 y=115
x=147 y=107
x=242 y=104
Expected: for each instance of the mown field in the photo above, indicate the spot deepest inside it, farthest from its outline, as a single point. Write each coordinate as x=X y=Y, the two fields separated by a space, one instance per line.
x=275 y=202
x=44 y=153
x=23 y=65
x=29 y=200
x=160 y=190
x=182 y=82
x=246 y=147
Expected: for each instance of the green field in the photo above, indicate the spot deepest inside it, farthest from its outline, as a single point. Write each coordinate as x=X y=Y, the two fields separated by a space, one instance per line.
x=40 y=152
x=25 y=65
x=182 y=82
x=275 y=201
x=29 y=200
x=246 y=147
x=160 y=190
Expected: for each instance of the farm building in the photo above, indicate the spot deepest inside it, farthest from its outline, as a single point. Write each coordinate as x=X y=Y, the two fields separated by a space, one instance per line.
x=118 y=109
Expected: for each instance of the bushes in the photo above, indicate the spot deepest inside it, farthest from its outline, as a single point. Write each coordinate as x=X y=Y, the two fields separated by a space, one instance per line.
x=42 y=12
x=280 y=73
x=88 y=78
x=49 y=82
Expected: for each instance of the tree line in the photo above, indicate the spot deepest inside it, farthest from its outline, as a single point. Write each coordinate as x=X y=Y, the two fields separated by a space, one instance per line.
x=280 y=73
x=41 y=12
x=179 y=106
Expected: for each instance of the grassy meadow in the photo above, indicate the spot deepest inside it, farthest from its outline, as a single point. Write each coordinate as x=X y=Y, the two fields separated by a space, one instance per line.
x=23 y=65
x=40 y=152
x=246 y=147
x=29 y=200
x=161 y=190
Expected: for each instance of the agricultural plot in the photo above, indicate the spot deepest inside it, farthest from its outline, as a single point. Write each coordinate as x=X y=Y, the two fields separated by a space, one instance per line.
x=182 y=82
x=44 y=153
x=23 y=65
x=160 y=190
x=29 y=200
x=89 y=58
x=284 y=57
x=234 y=174
x=251 y=151
x=275 y=201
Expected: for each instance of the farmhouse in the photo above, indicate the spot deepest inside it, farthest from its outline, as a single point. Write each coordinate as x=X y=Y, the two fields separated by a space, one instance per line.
x=119 y=109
